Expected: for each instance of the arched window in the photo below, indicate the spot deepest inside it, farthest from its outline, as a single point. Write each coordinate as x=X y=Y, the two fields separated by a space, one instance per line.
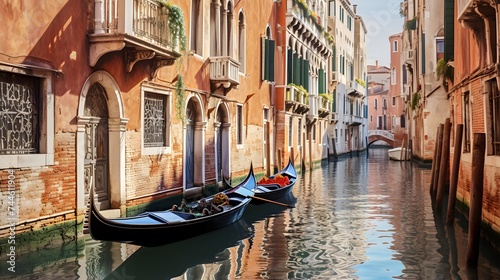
x=241 y=41
x=196 y=27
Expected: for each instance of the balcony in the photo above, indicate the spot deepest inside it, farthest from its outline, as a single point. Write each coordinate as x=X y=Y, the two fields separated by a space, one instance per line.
x=296 y=100
x=139 y=27
x=352 y=120
x=324 y=107
x=309 y=26
x=354 y=89
x=224 y=72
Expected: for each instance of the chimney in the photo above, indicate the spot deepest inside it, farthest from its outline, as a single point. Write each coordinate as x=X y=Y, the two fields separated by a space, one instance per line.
x=354 y=8
x=376 y=64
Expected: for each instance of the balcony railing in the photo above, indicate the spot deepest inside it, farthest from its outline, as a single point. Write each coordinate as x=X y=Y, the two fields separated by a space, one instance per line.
x=224 y=70
x=139 y=25
x=295 y=95
x=296 y=100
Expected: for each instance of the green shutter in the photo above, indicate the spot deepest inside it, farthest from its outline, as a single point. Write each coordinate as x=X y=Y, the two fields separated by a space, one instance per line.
x=449 y=29
x=334 y=59
x=305 y=75
x=423 y=52
x=321 y=81
x=270 y=60
x=296 y=71
x=289 y=68
x=263 y=58
x=334 y=102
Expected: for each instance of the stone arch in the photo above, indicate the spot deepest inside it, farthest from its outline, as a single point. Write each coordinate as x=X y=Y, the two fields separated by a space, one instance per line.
x=194 y=142
x=222 y=141
x=116 y=136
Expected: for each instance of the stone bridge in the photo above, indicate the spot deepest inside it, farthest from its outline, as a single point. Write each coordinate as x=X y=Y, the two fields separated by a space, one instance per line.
x=384 y=135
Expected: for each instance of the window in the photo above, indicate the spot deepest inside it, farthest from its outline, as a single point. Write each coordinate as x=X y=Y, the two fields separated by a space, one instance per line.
x=290 y=131
x=156 y=121
x=379 y=122
x=393 y=101
x=466 y=121
x=375 y=101
x=26 y=118
x=395 y=46
x=241 y=42
x=332 y=11
x=267 y=55
x=299 y=132
x=439 y=49
x=196 y=27
x=239 y=124
x=494 y=118
x=402 y=121
x=313 y=132
x=20 y=111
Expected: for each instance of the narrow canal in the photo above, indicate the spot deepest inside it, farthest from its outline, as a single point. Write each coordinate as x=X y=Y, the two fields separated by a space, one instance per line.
x=362 y=217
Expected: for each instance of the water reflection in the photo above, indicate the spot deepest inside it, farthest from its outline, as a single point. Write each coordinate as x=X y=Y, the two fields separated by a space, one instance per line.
x=363 y=217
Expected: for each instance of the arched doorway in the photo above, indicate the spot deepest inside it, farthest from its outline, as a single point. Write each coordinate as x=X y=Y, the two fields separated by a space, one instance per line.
x=100 y=145
x=96 y=143
x=194 y=163
x=221 y=127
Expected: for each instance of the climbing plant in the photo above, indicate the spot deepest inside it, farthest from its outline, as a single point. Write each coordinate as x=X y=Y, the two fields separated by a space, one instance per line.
x=175 y=24
x=179 y=97
x=414 y=100
x=444 y=72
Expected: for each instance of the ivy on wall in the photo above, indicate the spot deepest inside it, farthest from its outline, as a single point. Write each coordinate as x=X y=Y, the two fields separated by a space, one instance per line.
x=175 y=24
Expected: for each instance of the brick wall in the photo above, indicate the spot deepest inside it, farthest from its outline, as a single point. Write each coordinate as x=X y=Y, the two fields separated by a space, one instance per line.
x=43 y=195
x=149 y=174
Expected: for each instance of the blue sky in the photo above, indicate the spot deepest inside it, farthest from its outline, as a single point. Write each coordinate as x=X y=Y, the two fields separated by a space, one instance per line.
x=382 y=19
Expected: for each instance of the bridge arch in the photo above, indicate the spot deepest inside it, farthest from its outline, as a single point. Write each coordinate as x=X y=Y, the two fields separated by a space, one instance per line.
x=384 y=135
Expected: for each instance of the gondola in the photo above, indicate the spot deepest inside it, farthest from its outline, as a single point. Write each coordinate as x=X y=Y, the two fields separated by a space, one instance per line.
x=273 y=191
x=164 y=227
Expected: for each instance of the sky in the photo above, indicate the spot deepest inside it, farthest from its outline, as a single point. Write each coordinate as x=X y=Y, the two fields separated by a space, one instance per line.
x=382 y=19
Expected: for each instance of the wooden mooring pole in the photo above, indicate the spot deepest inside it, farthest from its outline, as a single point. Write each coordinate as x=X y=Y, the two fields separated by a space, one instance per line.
x=444 y=165
x=455 y=169
x=434 y=161
x=438 y=162
x=476 y=199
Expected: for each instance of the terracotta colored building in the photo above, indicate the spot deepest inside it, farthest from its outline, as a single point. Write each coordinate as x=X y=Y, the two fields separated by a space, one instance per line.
x=111 y=95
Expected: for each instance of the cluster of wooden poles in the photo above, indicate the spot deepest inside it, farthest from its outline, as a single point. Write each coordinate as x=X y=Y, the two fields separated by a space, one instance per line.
x=440 y=168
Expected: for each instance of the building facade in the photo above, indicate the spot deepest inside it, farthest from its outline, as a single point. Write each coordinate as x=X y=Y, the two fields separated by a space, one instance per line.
x=451 y=59
x=140 y=100
x=147 y=100
x=349 y=79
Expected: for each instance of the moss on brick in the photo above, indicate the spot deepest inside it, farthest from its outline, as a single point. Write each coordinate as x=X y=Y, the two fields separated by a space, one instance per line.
x=47 y=236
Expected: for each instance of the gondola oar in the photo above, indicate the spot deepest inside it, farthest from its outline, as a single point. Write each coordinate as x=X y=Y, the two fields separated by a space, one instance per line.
x=249 y=194
x=272 y=201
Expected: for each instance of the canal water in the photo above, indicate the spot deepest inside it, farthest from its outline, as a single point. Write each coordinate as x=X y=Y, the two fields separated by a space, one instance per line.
x=361 y=217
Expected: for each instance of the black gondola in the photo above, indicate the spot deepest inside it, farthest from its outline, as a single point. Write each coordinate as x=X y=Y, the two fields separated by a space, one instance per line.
x=164 y=227
x=274 y=191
